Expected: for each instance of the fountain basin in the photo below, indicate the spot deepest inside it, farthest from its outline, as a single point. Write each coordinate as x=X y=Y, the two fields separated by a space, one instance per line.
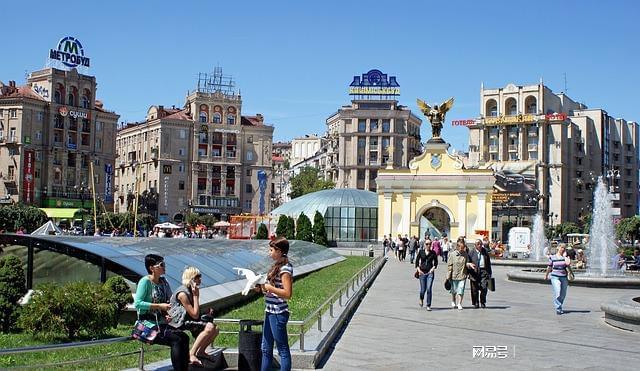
x=623 y=313
x=628 y=281
x=522 y=263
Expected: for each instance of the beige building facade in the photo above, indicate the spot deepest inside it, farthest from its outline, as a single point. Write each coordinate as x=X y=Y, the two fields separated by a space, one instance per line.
x=550 y=150
x=51 y=130
x=205 y=158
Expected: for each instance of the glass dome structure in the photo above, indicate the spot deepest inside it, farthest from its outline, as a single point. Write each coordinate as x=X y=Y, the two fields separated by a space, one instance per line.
x=351 y=215
x=63 y=258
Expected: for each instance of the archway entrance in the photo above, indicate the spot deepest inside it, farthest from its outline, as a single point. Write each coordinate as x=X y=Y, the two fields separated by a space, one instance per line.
x=435 y=221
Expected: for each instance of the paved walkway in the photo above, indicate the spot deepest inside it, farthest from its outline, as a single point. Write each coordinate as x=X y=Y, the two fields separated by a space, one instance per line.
x=390 y=332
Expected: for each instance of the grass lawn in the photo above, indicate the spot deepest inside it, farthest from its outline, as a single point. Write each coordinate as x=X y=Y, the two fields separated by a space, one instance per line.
x=308 y=293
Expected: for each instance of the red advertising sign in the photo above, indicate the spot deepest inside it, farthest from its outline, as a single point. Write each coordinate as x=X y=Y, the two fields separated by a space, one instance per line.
x=463 y=122
x=555 y=116
x=28 y=174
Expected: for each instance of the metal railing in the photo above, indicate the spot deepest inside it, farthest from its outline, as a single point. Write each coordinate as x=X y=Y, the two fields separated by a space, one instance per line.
x=301 y=327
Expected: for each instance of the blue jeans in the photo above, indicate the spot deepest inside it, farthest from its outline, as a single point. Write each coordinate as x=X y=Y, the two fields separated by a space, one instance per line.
x=426 y=282
x=559 y=285
x=275 y=328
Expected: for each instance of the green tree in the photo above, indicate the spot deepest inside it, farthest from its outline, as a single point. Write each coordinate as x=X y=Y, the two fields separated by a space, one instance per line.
x=13 y=217
x=319 y=231
x=628 y=228
x=263 y=232
x=69 y=310
x=307 y=181
x=120 y=295
x=283 y=224
x=291 y=229
x=304 y=231
x=585 y=222
x=12 y=288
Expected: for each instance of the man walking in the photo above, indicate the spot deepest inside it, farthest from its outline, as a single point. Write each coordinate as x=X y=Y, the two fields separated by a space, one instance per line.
x=446 y=247
x=413 y=244
x=480 y=274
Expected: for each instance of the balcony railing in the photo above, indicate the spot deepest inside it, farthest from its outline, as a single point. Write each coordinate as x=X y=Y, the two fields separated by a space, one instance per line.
x=493 y=148
x=513 y=148
x=532 y=147
x=231 y=154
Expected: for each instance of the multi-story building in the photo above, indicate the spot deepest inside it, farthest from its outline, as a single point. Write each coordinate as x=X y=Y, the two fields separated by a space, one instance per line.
x=205 y=158
x=374 y=131
x=548 y=152
x=51 y=130
x=280 y=186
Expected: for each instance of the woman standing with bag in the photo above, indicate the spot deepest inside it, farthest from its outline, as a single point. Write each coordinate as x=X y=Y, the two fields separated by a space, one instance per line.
x=558 y=267
x=276 y=293
x=426 y=264
x=152 y=304
x=457 y=265
x=185 y=306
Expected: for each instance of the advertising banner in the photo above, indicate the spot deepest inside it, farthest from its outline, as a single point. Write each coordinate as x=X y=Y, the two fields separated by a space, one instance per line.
x=28 y=175
x=515 y=185
x=108 y=195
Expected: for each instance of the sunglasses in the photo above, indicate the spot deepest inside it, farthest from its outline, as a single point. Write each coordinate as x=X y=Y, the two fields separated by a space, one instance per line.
x=161 y=264
x=198 y=276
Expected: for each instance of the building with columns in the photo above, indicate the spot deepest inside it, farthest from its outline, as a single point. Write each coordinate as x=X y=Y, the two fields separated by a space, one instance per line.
x=548 y=151
x=436 y=194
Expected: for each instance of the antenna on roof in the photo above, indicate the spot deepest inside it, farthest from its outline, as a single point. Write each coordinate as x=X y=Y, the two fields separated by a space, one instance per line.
x=216 y=82
x=565 y=83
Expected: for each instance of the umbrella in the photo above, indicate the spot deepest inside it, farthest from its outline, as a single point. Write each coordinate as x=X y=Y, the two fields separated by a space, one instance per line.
x=221 y=223
x=167 y=225
x=46 y=229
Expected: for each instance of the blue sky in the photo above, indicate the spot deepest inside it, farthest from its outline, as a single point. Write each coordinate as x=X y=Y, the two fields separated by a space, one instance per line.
x=293 y=60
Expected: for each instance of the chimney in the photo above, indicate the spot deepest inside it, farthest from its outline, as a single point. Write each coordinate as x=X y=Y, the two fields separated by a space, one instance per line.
x=259 y=116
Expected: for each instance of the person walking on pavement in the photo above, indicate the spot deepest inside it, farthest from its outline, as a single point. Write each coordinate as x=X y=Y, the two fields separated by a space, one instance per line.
x=386 y=245
x=480 y=275
x=558 y=264
x=426 y=264
x=457 y=270
x=446 y=248
x=413 y=246
x=436 y=246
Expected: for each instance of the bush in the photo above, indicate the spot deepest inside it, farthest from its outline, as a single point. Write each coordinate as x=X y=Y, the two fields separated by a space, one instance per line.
x=68 y=310
x=121 y=294
x=303 y=230
x=263 y=232
x=291 y=229
x=12 y=288
x=13 y=217
x=283 y=224
x=319 y=231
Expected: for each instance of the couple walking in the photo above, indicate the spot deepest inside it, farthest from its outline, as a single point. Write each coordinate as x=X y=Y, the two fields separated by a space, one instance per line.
x=461 y=264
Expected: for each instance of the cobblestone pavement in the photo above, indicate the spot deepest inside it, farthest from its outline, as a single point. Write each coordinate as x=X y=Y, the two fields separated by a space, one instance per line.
x=389 y=331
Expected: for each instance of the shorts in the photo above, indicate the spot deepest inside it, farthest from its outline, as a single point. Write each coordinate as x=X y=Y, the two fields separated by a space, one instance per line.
x=457 y=286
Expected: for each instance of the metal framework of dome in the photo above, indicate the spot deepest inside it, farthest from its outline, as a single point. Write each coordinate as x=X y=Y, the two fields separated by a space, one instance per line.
x=321 y=200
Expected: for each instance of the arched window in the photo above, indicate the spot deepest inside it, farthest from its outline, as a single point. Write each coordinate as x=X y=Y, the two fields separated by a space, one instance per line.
x=231 y=119
x=86 y=99
x=491 y=108
x=204 y=113
x=217 y=118
x=531 y=104
x=512 y=107
x=203 y=116
x=71 y=97
x=58 y=95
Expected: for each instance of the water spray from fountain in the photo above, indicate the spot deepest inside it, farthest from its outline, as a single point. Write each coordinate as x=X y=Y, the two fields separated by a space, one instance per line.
x=602 y=247
x=538 y=240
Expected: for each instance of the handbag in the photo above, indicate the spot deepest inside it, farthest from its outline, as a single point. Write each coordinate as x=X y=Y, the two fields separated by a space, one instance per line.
x=447 y=284
x=416 y=274
x=570 y=275
x=145 y=331
x=492 y=284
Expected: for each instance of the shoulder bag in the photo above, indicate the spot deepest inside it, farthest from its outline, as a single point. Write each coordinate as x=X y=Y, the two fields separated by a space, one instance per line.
x=146 y=331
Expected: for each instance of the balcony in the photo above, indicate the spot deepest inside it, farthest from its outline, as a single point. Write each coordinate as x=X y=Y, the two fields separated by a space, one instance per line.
x=513 y=148
x=493 y=148
x=532 y=147
x=230 y=192
x=373 y=147
x=231 y=154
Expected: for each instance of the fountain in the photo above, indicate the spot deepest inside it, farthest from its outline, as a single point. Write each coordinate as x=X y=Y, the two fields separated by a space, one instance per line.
x=601 y=244
x=538 y=240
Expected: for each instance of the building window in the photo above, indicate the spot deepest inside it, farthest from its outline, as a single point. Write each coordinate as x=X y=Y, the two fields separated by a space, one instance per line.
x=362 y=142
x=249 y=156
x=362 y=126
x=248 y=188
x=85 y=102
x=250 y=139
x=217 y=118
x=386 y=126
x=231 y=119
x=40 y=116
x=373 y=124
x=361 y=174
x=247 y=205
x=181 y=152
x=181 y=168
x=181 y=185
x=183 y=134
x=13 y=113
x=98 y=125
x=203 y=117
x=248 y=172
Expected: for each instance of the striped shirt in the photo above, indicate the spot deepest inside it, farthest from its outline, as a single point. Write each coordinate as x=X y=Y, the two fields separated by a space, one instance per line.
x=275 y=304
x=558 y=266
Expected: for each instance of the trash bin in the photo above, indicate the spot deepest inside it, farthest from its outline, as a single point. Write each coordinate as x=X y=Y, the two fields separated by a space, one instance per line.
x=249 y=346
x=371 y=251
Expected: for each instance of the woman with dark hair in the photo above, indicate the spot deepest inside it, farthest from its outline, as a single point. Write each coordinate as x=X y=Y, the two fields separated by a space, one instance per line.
x=152 y=303
x=277 y=291
x=426 y=264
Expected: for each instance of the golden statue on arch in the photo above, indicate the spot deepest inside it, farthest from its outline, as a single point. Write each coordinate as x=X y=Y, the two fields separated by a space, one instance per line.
x=436 y=116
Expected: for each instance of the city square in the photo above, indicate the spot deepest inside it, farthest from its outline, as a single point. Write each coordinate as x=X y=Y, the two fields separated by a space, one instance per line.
x=262 y=189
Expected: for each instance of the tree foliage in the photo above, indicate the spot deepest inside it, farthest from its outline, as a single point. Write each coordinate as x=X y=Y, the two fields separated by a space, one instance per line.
x=263 y=232
x=304 y=231
x=283 y=224
x=12 y=288
x=307 y=181
x=319 y=231
x=120 y=293
x=69 y=310
x=15 y=216
x=291 y=229
x=628 y=228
